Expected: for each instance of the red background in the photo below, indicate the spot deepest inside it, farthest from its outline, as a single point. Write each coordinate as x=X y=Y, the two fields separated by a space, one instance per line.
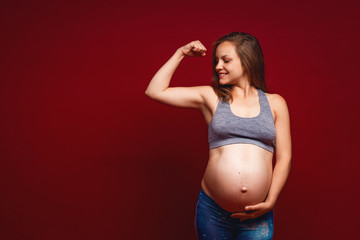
x=86 y=155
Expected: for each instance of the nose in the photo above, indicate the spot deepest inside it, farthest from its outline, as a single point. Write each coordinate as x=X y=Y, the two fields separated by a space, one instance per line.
x=218 y=66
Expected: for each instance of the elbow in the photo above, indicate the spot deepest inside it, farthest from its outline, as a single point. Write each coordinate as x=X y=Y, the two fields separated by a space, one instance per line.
x=153 y=94
x=284 y=161
x=290 y=164
x=148 y=93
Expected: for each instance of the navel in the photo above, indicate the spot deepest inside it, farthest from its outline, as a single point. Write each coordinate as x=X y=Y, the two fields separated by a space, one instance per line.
x=243 y=189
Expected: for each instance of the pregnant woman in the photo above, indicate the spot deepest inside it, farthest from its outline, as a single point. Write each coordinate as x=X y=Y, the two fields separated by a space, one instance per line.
x=246 y=125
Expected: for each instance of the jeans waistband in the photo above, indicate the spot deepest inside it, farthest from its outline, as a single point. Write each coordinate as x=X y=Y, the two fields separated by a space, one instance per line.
x=211 y=203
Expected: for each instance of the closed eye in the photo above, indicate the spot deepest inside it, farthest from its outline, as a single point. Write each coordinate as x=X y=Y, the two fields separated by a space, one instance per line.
x=225 y=61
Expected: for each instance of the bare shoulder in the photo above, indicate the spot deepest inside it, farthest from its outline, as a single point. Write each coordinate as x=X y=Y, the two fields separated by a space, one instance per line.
x=205 y=89
x=277 y=104
x=209 y=95
x=275 y=99
x=209 y=101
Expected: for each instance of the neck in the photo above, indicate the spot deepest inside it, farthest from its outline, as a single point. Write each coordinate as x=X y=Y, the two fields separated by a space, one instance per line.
x=243 y=91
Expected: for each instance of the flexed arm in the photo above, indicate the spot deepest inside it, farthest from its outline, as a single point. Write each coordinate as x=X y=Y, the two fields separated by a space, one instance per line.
x=159 y=90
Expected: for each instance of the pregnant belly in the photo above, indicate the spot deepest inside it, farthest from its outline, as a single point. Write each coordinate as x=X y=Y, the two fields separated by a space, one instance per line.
x=237 y=180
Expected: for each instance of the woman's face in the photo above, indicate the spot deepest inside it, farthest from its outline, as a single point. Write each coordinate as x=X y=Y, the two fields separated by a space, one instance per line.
x=228 y=67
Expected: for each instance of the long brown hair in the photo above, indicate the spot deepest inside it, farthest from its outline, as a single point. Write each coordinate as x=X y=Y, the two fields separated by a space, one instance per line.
x=249 y=51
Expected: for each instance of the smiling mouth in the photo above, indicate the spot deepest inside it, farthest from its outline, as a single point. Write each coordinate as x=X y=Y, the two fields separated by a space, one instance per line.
x=222 y=75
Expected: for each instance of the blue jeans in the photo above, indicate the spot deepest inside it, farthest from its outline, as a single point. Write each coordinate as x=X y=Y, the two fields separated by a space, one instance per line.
x=213 y=222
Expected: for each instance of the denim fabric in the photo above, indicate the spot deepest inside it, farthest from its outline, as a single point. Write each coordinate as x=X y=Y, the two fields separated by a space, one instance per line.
x=213 y=222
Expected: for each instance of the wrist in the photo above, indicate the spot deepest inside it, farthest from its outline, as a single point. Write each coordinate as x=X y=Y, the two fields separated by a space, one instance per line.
x=180 y=54
x=270 y=202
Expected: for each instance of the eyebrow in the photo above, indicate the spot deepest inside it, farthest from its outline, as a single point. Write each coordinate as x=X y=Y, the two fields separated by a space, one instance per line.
x=224 y=56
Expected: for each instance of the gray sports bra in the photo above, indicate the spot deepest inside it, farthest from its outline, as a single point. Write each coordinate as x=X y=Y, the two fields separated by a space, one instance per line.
x=227 y=128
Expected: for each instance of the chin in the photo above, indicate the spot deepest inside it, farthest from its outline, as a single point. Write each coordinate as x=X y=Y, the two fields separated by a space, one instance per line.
x=224 y=83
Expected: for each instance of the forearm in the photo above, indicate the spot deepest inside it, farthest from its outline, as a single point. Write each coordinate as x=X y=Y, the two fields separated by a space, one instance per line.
x=162 y=78
x=280 y=175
